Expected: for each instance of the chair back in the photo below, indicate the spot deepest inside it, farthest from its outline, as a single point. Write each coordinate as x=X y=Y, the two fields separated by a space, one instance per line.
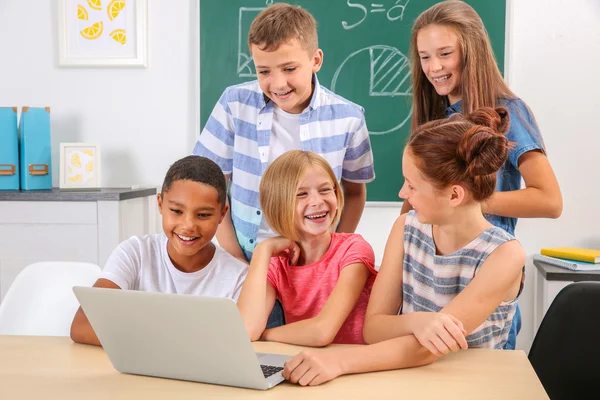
x=40 y=301
x=566 y=351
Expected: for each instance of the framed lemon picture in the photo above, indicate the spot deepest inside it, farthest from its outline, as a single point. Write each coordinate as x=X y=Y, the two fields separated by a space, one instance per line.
x=79 y=166
x=102 y=33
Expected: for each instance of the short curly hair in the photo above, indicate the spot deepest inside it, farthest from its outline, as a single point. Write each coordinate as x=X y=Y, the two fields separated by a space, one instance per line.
x=197 y=169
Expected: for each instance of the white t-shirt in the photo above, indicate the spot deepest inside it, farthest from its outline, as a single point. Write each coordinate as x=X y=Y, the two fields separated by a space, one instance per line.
x=142 y=263
x=285 y=136
x=285 y=133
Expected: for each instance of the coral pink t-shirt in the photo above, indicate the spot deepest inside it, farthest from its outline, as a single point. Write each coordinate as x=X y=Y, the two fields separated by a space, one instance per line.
x=303 y=290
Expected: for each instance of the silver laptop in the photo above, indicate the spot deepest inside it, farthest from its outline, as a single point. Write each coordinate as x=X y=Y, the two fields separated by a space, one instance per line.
x=177 y=336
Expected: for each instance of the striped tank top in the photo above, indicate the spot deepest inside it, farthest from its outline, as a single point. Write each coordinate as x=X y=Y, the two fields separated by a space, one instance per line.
x=430 y=281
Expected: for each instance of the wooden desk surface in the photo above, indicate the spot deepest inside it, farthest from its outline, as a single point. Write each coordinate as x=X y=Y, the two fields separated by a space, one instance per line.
x=33 y=367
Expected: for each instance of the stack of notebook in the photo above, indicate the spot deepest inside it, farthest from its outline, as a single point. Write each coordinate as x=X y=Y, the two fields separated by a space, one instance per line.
x=575 y=259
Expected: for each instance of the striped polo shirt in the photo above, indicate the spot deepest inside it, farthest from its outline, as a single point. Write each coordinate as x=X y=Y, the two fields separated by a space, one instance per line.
x=431 y=282
x=237 y=136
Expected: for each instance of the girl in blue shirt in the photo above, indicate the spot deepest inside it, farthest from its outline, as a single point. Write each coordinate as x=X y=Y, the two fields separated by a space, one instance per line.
x=454 y=71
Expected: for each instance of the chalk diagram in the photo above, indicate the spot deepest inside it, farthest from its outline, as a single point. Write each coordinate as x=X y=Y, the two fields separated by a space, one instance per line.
x=244 y=65
x=245 y=17
x=389 y=77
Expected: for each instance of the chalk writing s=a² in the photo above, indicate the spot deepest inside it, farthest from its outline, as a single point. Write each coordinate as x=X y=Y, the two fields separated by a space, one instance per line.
x=359 y=6
x=397 y=12
x=393 y=13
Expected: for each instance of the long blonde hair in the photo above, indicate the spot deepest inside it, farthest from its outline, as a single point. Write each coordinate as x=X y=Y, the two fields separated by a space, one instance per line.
x=481 y=83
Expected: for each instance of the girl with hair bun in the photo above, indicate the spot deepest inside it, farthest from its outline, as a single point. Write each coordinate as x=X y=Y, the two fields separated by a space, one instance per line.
x=454 y=71
x=455 y=281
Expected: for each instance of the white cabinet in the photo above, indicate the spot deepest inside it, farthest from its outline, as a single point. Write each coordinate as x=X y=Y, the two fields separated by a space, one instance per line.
x=549 y=281
x=69 y=226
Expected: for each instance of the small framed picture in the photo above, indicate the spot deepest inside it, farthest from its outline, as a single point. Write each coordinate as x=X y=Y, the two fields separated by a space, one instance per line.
x=79 y=166
x=102 y=33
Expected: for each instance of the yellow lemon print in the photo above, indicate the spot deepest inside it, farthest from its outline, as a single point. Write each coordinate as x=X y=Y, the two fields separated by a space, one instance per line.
x=76 y=178
x=119 y=35
x=93 y=32
x=114 y=8
x=70 y=170
x=90 y=180
x=75 y=161
x=95 y=4
x=89 y=167
x=82 y=13
x=88 y=153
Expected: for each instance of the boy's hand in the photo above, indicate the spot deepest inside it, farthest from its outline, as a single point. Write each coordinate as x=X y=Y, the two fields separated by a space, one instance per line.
x=312 y=367
x=280 y=246
x=440 y=333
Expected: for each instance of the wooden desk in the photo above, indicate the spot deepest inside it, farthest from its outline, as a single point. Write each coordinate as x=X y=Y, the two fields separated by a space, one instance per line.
x=548 y=281
x=34 y=367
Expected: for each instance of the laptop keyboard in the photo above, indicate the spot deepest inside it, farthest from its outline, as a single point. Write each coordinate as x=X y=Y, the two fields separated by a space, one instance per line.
x=269 y=370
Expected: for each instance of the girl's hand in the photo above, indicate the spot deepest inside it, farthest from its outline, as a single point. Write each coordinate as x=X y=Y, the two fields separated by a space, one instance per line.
x=312 y=367
x=280 y=246
x=440 y=333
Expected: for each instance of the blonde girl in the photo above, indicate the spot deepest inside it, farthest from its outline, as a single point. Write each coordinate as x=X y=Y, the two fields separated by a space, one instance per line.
x=322 y=279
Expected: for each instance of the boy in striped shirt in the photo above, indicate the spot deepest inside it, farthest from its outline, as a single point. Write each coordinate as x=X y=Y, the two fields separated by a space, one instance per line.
x=255 y=122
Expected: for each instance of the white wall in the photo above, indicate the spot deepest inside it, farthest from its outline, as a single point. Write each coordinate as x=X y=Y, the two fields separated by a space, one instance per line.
x=145 y=118
x=554 y=46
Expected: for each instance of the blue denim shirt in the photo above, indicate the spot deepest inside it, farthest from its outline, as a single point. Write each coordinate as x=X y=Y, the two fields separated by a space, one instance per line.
x=525 y=136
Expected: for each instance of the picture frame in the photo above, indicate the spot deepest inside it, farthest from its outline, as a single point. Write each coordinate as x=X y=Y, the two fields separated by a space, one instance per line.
x=80 y=166
x=102 y=33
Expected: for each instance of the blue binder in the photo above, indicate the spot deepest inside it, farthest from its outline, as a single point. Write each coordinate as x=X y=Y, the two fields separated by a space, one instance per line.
x=35 y=148
x=9 y=149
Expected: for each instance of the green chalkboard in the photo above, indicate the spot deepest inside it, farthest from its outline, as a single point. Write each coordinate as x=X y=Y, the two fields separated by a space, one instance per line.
x=365 y=45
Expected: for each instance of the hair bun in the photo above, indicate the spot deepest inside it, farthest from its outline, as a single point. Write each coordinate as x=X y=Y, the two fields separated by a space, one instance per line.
x=482 y=150
x=497 y=118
